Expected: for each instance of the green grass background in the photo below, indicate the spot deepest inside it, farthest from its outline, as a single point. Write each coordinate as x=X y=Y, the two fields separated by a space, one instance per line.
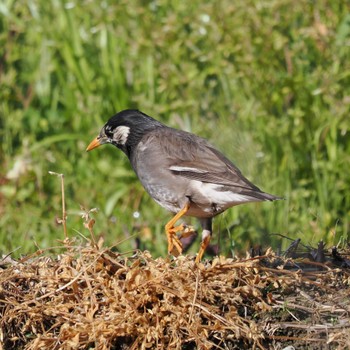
x=267 y=82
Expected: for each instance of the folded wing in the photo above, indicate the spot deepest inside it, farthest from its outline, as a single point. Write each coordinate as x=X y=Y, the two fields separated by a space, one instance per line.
x=198 y=160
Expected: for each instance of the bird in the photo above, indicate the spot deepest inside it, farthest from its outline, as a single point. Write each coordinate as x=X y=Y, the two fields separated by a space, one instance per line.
x=181 y=171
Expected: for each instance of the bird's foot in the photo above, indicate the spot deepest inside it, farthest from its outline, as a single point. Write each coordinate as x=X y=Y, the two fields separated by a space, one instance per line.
x=174 y=241
x=187 y=231
x=174 y=244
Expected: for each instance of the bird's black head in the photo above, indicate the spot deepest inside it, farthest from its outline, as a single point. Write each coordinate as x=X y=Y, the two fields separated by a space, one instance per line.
x=124 y=130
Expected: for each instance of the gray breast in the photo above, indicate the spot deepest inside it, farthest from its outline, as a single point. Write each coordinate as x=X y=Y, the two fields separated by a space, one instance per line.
x=152 y=168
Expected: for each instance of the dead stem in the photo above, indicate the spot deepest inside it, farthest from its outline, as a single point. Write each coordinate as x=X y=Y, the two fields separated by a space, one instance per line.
x=64 y=214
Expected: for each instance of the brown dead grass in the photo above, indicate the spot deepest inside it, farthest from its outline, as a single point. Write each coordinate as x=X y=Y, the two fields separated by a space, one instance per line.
x=89 y=297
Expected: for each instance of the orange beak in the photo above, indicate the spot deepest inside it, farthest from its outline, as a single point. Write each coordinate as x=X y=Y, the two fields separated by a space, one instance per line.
x=93 y=144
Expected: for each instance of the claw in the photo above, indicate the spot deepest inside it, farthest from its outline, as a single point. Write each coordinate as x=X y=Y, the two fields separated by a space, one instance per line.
x=187 y=231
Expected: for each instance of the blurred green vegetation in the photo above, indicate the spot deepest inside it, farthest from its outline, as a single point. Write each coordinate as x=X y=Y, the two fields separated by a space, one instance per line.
x=268 y=82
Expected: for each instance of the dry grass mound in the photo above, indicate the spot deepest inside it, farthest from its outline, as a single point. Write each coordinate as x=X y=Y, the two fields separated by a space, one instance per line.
x=89 y=297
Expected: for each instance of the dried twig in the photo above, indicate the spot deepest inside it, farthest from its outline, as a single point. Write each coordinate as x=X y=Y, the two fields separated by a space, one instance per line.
x=64 y=214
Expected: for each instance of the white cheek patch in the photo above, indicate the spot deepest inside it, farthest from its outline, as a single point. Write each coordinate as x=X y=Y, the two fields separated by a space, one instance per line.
x=120 y=135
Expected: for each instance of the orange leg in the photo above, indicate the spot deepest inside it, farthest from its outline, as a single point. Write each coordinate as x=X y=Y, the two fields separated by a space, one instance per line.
x=170 y=230
x=206 y=236
x=204 y=244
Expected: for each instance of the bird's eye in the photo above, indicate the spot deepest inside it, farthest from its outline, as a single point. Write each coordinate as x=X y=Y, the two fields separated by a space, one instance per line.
x=108 y=131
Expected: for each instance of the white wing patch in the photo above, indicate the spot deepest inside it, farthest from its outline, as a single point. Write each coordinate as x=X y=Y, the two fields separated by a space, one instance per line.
x=120 y=135
x=187 y=168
